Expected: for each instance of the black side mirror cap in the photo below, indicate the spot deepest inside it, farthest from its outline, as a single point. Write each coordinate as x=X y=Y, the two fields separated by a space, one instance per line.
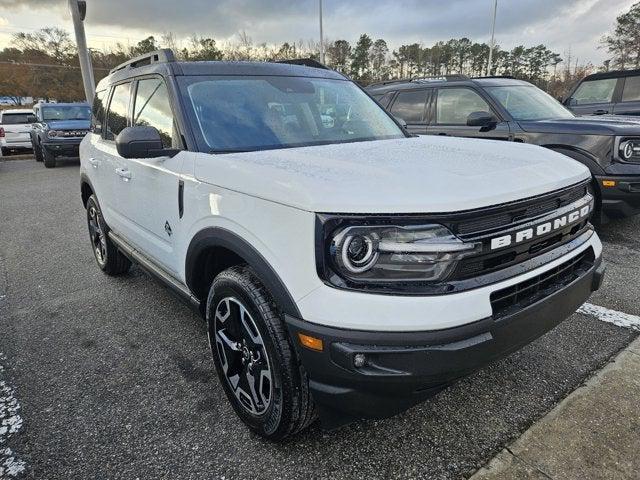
x=142 y=142
x=485 y=120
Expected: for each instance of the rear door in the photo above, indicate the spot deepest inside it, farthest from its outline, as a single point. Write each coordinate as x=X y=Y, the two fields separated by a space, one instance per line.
x=630 y=100
x=450 y=108
x=594 y=97
x=17 y=128
x=411 y=106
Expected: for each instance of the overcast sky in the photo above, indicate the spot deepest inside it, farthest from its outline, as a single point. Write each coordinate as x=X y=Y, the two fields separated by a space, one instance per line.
x=563 y=25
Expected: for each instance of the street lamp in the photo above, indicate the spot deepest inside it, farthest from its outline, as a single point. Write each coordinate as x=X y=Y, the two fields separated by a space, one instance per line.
x=78 y=10
x=493 y=35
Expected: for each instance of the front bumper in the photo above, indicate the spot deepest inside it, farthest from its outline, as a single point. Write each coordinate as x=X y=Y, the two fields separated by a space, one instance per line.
x=67 y=147
x=621 y=200
x=404 y=368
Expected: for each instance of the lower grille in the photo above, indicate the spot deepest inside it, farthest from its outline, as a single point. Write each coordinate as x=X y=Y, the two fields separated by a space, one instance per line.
x=512 y=299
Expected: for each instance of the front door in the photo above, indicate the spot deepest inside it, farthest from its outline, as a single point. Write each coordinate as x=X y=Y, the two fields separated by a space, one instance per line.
x=630 y=101
x=594 y=97
x=450 y=108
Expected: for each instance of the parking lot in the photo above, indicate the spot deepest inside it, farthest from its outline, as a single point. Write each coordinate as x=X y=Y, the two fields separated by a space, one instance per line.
x=115 y=380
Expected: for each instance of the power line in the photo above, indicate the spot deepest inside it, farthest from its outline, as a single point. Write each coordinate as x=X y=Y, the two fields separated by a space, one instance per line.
x=45 y=65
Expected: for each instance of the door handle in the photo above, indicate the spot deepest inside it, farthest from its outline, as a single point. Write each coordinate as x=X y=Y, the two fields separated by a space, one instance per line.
x=601 y=112
x=124 y=173
x=442 y=134
x=94 y=162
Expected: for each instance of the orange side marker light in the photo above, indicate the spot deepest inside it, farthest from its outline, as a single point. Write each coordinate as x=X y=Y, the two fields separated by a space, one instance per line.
x=310 y=342
x=608 y=183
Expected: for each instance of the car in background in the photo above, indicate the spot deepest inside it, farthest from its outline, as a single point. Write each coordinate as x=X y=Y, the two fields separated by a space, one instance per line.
x=15 y=126
x=608 y=93
x=58 y=130
x=501 y=108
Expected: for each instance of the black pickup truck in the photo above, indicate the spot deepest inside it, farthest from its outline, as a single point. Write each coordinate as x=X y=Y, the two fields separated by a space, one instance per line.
x=506 y=109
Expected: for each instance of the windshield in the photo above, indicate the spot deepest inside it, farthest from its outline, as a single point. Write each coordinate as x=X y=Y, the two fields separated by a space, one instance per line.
x=17 y=118
x=526 y=102
x=67 y=112
x=239 y=114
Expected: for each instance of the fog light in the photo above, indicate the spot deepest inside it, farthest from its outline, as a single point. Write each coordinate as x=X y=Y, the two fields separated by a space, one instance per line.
x=359 y=360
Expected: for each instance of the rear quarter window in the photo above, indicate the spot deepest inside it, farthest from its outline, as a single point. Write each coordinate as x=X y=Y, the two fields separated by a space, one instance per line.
x=631 y=92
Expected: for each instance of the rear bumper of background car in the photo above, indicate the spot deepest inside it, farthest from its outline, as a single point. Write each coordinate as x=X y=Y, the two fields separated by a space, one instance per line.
x=365 y=374
x=622 y=199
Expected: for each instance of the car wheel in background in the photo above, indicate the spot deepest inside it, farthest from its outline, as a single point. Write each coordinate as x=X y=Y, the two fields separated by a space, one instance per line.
x=110 y=260
x=4 y=151
x=255 y=361
x=48 y=158
x=37 y=152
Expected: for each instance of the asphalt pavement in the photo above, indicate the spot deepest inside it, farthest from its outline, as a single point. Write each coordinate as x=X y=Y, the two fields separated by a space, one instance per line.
x=114 y=378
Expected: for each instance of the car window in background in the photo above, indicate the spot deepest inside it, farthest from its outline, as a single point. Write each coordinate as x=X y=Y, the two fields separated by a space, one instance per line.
x=595 y=91
x=259 y=113
x=17 y=118
x=410 y=105
x=118 y=110
x=152 y=108
x=98 y=112
x=386 y=99
x=53 y=113
x=631 y=92
x=526 y=102
x=454 y=105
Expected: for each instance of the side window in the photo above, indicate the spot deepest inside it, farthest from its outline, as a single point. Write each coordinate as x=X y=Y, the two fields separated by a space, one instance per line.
x=118 y=110
x=98 y=112
x=152 y=108
x=410 y=105
x=631 y=92
x=386 y=99
x=595 y=91
x=454 y=105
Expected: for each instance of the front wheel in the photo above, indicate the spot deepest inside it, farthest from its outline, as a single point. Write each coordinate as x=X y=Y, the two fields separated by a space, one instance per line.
x=255 y=361
x=37 y=152
x=48 y=158
x=110 y=260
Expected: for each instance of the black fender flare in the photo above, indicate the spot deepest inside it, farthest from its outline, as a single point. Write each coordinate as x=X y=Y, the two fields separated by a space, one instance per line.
x=581 y=156
x=213 y=237
x=84 y=180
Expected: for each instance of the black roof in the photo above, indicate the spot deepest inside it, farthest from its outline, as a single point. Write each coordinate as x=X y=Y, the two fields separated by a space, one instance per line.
x=392 y=86
x=164 y=62
x=613 y=74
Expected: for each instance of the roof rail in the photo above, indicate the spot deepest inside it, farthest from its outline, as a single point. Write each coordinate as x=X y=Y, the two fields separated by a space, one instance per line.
x=508 y=77
x=305 y=62
x=159 y=56
x=435 y=78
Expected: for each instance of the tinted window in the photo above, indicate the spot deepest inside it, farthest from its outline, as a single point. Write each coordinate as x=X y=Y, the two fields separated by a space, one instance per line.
x=595 y=91
x=118 y=110
x=528 y=102
x=631 y=92
x=456 y=104
x=258 y=113
x=409 y=105
x=152 y=108
x=17 y=118
x=54 y=112
x=386 y=99
x=98 y=112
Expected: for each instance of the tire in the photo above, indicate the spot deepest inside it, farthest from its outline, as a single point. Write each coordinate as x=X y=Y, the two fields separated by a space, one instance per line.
x=280 y=403
x=48 y=158
x=37 y=152
x=4 y=152
x=110 y=260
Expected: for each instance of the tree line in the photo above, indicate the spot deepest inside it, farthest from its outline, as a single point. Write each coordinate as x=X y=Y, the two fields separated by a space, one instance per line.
x=44 y=64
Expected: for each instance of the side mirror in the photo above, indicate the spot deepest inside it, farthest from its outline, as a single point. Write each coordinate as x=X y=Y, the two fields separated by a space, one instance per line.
x=485 y=120
x=401 y=121
x=572 y=102
x=32 y=119
x=141 y=142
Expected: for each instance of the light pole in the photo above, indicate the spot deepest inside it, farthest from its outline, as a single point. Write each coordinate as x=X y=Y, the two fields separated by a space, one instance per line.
x=493 y=36
x=78 y=13
x=321 y=36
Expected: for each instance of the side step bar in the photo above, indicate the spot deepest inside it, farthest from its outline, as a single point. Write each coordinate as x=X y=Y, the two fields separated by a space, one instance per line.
x=148 y=265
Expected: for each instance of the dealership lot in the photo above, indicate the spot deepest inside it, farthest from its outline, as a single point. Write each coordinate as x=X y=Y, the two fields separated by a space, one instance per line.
x=115 y=380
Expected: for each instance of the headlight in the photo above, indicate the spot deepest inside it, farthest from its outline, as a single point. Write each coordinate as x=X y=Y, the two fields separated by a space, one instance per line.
x=629 y=149
x=394 y=254
x=52 y=134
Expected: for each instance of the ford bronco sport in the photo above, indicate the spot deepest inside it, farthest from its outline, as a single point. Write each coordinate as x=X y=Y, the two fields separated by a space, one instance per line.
x=345 y=269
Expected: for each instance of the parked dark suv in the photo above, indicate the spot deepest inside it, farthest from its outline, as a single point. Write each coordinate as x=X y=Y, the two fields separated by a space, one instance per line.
x=616 y=93
x=506 y=109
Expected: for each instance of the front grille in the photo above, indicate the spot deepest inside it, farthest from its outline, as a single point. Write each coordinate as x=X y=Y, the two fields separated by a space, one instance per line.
x=519 y=296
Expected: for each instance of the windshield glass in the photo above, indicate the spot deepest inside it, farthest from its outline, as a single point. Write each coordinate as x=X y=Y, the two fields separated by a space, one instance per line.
x=17 y=118
x=239 y=114
x=526 y=102
x=67 y=112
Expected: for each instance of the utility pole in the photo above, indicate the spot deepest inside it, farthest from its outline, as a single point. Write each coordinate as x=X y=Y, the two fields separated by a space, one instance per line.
x=78 y=10
x=493 y=36
x=321 y=36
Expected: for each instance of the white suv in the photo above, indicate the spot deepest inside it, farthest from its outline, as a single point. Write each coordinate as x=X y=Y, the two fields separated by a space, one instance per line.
x=345 y=268
x=15 y=128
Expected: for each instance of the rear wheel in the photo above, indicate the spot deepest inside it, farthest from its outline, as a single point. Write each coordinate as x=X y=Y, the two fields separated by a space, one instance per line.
x=37 y=152
x=110 y=260
x=4 y=151
x=48 y=158
x=255 y=361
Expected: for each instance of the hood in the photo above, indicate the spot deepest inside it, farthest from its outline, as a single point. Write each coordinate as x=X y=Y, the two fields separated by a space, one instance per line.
x=409 y=175
x=587 y=125
x=68 y=124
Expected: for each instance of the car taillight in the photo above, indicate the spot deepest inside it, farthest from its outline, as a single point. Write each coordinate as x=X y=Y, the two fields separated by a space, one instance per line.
x=1 y=132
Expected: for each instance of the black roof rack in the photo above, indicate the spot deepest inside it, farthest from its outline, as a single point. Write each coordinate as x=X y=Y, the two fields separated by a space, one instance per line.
x=612 y=74
x=305 y=62
x=159 y=56
x=508 y=77
x=435 y=78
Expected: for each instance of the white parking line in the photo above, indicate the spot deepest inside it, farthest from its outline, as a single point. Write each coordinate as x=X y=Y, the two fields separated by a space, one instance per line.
x=611 y=316
x=10 y=423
